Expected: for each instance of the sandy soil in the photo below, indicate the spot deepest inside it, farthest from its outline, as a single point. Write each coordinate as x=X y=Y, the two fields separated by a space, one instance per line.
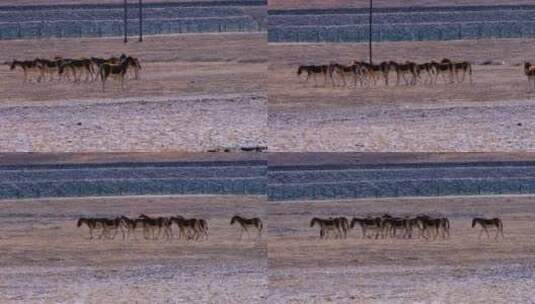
x=492 y=114
x=302 y=4
x=100 y=158
x=196 y=92
x=462 y=269
x=187 y=64
x=274 y=159
x=46 y=259
x=317 y=159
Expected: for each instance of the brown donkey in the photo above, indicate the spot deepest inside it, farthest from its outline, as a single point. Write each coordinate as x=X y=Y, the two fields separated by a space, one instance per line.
x=486 y=223
x=119 y=70
x=327 y=225
x=27 y=66
x=248 y=223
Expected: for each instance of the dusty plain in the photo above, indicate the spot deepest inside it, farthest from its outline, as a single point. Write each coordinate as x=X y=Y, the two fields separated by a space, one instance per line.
x=47 y=259
x=10 y=159
x=196 y=92
x=491 y=114
x=462 y=269
x=351 y=159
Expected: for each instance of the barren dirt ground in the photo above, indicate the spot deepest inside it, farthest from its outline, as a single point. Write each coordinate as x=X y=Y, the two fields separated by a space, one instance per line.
x=196 y=92
x=8 y=159
x=492 y=114
x=349 y=159
x=186 y=64
x=46 y=259
x=462 y=269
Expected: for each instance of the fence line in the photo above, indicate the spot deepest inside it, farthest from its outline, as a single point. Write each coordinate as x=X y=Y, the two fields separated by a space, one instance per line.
x=77 y=180
x=106 y=28
x=427 y=188
x=403 y=32
x=81 y=188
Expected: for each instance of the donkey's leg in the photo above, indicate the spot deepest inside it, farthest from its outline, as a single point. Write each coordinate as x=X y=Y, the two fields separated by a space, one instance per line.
x=167 y=233
x=115 y=231
x=146 y=232
x=102 y=234
x=41 y=75
x=123 y=233
x=427 y=233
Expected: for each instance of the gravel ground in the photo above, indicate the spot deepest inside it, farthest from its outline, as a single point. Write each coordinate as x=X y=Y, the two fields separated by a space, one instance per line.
x=218 y=280
x=503 y=283
x=449 y=127
x=147 y=124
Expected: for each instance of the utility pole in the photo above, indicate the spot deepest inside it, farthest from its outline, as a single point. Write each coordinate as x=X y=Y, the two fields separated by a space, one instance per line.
x=125 y=22
x=371 y=20
x=140 y=21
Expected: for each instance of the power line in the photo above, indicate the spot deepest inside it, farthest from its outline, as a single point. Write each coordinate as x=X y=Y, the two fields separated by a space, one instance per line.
x=140 y=21
x=125 y=22
x=371 y=20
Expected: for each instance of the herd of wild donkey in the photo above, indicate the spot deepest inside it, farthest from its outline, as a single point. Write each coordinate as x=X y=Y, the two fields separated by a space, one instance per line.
x=367 y=74
x=385 y=226
x=90 y=69
x=155 y=227
x=363 y=73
